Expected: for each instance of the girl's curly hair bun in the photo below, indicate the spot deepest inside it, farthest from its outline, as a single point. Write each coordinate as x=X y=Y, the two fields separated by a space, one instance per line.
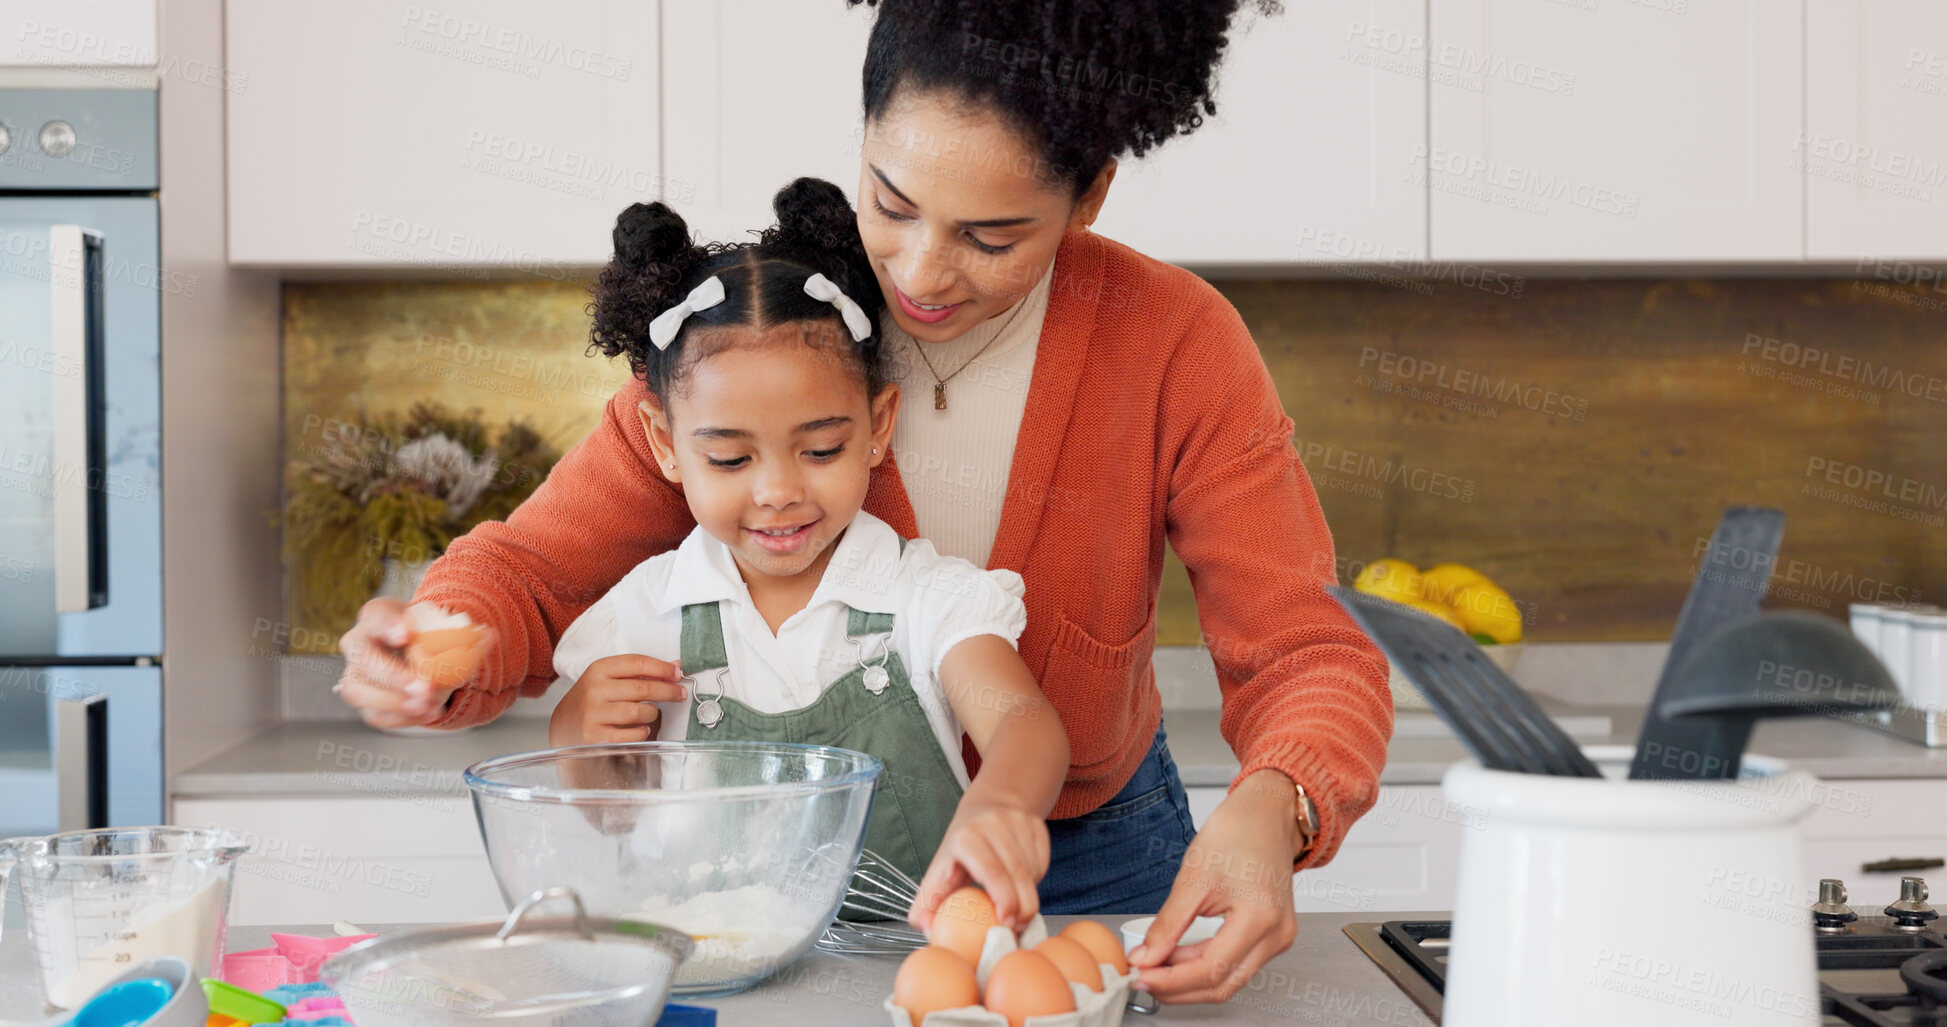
x=648 y=234
x=813 y=215
x=654 y=258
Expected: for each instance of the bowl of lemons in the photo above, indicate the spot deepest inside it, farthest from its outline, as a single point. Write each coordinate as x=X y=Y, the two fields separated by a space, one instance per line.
x=1457 y=594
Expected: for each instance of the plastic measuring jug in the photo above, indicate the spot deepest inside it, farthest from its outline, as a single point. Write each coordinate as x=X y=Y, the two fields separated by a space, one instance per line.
x=99 y=902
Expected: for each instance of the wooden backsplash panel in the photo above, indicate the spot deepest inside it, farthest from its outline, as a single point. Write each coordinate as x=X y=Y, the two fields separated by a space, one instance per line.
x=510 y=349
x=1667 y=405
x=1672 y=400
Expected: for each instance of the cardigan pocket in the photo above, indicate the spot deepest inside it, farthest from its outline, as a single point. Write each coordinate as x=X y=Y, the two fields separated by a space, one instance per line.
x=1092 y=685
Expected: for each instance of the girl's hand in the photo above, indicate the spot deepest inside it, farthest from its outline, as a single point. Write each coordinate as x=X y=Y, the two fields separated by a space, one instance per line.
x=613 y=701
x=377 y=682
x=1001 y=847
x=1238 y=868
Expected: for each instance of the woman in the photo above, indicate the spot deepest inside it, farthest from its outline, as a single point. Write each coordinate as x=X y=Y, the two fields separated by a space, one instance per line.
x=1087 y=404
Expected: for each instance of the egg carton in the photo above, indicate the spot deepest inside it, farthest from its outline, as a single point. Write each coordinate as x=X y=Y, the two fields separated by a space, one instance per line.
x=1092 y=1008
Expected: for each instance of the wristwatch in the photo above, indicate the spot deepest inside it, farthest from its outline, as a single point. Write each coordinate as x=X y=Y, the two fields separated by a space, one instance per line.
x=1307 y=825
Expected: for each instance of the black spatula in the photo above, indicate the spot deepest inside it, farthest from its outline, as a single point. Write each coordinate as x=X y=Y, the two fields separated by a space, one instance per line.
x=1784 y=664
x=1730 y=582
x=1497 y=721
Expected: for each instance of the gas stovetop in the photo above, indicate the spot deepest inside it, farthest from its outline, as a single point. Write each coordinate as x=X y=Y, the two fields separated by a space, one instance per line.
x=1885 y=970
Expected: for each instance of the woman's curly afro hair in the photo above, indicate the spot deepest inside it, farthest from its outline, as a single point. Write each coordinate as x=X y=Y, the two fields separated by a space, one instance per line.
x=1084 y=81
x=656 y=264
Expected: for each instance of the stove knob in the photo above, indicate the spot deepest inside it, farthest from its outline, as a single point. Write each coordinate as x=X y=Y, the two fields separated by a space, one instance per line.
x=1831 y=914
x=1912 y=913
x=57 y=139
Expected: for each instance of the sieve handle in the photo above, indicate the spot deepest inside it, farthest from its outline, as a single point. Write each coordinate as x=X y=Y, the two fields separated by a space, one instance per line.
x=514 y=919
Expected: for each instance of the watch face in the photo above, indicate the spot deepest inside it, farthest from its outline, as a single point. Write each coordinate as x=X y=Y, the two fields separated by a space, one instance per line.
x=1307 y=814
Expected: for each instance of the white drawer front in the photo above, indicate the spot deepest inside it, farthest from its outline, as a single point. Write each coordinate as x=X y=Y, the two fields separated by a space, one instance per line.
x=1399 y=857
x=314 y=861
x=1866 y=821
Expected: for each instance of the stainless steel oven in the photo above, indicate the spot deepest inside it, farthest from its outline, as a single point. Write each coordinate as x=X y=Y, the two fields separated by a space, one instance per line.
x=80 y=459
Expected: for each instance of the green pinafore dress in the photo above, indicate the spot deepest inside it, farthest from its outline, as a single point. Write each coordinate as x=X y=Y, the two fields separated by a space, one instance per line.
x=871 y=709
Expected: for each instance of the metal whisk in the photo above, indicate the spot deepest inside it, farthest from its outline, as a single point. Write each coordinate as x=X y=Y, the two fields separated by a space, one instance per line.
x=883 y=893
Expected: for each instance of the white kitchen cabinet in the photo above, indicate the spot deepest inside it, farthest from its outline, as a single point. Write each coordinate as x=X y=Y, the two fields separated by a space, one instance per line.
x=1309 y=158
x=1251 y=186
x=88 y=33
x=1626 y=130
x=483 y=134
x=1853 y=823
x=760 y=92
x=1402 y=856
x=394 y=860
x=1875 y=143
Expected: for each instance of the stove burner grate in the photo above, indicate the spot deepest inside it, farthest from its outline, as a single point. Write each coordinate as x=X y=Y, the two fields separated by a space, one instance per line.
x=1874 y=975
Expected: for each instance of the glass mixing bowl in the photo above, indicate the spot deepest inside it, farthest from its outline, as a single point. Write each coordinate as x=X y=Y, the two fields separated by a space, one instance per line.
x=746 y=846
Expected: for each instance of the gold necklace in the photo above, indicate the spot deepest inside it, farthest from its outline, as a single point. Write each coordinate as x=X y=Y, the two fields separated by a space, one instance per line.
x=939 y=383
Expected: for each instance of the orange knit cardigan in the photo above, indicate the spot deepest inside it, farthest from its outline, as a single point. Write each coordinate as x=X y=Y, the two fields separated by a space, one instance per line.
x=1150 y=416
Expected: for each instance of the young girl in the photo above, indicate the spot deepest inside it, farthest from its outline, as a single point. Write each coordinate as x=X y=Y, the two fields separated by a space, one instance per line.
x=794 y=615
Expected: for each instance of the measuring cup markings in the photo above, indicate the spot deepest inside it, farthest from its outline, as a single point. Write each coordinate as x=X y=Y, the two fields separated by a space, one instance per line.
x=100 y=901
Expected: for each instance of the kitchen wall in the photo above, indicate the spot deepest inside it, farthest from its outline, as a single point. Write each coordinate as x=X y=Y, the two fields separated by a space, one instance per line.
x=220 y=371
x=1574 y=439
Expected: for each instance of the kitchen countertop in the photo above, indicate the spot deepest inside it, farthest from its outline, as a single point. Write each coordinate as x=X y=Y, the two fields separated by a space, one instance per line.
x=1831 y=750
x=347 y=759
x=1323 y=978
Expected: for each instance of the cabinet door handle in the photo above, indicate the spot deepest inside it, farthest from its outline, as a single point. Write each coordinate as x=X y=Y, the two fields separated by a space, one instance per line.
x=80 y=429
x=81 y=763
x=1900 y=865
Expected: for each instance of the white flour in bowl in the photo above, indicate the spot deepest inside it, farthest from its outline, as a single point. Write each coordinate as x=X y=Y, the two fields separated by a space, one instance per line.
x=743 y=933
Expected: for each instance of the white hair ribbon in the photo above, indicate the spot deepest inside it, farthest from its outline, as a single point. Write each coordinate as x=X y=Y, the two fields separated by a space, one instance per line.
x=662 y=331
x=818 y=287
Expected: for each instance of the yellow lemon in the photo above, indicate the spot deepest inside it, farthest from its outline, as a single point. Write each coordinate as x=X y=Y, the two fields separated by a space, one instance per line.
x=1390 y=579
x=1444 y=582
x=1484 y=609
x=1438 y=610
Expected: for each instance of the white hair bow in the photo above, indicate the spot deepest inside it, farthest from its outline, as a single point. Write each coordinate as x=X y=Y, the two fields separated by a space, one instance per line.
x=818 y=287
x=662 y=331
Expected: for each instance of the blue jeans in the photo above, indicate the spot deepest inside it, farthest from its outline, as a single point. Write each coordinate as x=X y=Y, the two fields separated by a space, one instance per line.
x=1123 y=856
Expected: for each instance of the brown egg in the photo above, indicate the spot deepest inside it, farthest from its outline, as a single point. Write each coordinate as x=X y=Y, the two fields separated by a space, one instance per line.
x=1024 y=983
x=932 y=979
x=960 y=925
x=1100 y=942
x=1075 y=962
x=448 y=657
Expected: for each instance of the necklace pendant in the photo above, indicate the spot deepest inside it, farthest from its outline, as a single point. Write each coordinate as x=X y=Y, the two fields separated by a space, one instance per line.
x=939 y=395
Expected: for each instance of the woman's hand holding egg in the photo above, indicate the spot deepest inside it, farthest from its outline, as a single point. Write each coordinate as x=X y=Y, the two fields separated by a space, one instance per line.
x=392 y=676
